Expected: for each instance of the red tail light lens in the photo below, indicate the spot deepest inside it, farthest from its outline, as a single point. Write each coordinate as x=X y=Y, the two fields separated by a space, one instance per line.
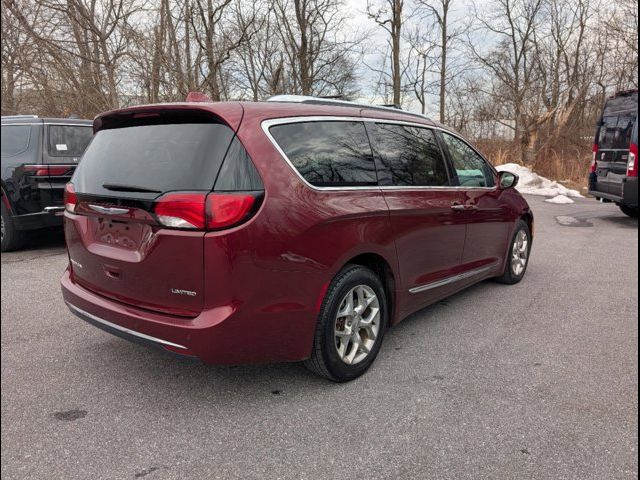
x=181 y=210
x=70 y=198
x=228 y=209
x=594 y=160
x=632 y=163
x=198 y=211
x=37 y=170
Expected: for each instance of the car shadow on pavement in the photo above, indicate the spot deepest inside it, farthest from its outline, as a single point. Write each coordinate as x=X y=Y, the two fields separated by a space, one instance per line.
x=162 y=373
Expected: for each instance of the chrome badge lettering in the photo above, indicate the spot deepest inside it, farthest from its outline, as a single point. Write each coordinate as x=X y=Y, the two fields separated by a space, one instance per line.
x=183 y=292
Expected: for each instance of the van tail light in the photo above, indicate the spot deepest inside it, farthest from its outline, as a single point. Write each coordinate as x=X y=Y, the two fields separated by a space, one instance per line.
x=181 y=210
x=70 y=198
x=197 y=211
x=228 y=209
x=632 y=163
x=594 y=159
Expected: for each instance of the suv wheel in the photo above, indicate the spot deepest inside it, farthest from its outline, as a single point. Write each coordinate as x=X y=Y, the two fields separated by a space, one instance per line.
x=351 y=325
x=518 y=259
x=12 y=239
x=630 y=211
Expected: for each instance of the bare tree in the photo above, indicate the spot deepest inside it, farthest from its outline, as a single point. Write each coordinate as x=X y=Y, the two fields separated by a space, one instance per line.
x=389 y=16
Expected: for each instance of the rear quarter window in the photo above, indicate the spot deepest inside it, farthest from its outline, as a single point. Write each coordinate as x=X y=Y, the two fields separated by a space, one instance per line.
x=328 y=153
x=15 y=139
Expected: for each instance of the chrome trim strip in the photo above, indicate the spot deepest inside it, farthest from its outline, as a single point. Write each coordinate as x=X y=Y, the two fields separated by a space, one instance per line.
x=452 y=279
x=267 y=124
x=108 y=210
x=53 y=209
x=81 y=313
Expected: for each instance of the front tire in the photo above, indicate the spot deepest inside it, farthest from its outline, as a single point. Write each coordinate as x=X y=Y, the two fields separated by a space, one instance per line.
x=12 y=239
x=629 y=211
x=351 y=325
x=518 y=257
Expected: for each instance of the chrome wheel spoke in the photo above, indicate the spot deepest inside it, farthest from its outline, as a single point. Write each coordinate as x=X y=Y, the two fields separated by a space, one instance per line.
x=356 y=325
x=519 y=253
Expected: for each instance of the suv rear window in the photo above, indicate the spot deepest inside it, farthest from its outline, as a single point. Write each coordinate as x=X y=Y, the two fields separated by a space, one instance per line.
x=161 y=158
x=15 y=139
x=68 y=141
x=616 y=131
x=331 y=153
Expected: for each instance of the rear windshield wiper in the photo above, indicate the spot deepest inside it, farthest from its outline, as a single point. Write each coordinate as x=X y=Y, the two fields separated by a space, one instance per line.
x=128 y=188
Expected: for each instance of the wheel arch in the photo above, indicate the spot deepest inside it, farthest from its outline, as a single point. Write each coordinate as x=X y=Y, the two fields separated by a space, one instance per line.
x=383 y=269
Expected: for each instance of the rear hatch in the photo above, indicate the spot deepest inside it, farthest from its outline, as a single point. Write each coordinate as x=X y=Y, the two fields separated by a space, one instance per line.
x=139 y=171
x=611 y=153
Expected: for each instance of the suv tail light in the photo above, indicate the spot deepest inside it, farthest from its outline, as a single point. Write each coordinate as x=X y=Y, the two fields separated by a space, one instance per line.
x=198 y=211
x=70 y=198
x=594 y=159
x=632 y=164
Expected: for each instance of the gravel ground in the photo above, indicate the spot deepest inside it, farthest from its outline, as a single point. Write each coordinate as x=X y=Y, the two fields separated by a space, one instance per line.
x=537 y=380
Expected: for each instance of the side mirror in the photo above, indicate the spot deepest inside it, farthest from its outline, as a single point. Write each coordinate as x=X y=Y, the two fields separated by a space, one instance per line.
x=507 y=180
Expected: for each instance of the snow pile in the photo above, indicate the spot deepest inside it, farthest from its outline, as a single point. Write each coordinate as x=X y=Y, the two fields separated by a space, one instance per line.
x=534 y=184
x=559 y=199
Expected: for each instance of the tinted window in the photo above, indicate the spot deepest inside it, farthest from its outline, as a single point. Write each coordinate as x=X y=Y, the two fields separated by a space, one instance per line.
x=15 y=139
x=407 y=156
x=616 y=131
x=155 y=157
x=328 y=153
x=470 y=167
x=238 y=172
x=66 y=141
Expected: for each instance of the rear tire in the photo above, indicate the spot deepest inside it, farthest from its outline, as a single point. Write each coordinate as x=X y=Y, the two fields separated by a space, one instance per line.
x=518 y=257
x=12 y=239
x=629 y=211
x=351 y=325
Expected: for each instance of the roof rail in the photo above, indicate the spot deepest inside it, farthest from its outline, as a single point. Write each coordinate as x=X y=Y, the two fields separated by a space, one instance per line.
x=340 y=103
x=9 y=117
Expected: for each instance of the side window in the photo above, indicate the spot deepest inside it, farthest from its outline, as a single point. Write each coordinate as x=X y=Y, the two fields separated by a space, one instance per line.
x=238 y=173
x=331 y=153
x=407 y=156
x=68 y=141
x=471 y=168
x=15 y=139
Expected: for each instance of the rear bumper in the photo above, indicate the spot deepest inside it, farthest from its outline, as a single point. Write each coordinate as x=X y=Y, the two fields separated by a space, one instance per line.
x=222 y=335
x=626 y=194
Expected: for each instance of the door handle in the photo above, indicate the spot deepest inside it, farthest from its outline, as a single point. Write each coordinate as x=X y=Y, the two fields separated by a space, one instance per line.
x=458 y=207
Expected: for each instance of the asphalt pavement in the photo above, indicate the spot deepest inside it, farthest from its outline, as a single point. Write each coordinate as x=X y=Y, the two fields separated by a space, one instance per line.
x=532 y=381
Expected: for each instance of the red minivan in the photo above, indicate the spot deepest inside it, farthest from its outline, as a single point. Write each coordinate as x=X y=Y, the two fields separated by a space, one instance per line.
x=297 y=229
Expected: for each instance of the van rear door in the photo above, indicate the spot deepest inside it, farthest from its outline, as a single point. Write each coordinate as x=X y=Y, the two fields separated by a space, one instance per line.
x=614 y=140
x=117 y=244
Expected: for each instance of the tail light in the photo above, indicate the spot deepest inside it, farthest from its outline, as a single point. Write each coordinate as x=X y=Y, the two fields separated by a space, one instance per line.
x=181 y=210
x=632 y=163
x=594 y=160
x=197 y=211
x=47 y=170
x=70 y=198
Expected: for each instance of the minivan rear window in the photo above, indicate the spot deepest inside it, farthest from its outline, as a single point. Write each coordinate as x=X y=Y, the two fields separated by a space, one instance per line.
x=328 y=153
x=158 y=158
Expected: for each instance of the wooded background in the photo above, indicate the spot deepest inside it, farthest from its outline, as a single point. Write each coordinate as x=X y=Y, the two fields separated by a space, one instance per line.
x=525 y=79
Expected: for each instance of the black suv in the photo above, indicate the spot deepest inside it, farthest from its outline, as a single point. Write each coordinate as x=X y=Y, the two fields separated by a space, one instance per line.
x=39 y=156
x=614 y=169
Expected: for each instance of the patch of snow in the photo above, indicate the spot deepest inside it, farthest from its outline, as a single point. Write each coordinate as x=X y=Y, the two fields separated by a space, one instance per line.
x=560 y=200
x=534 y=184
